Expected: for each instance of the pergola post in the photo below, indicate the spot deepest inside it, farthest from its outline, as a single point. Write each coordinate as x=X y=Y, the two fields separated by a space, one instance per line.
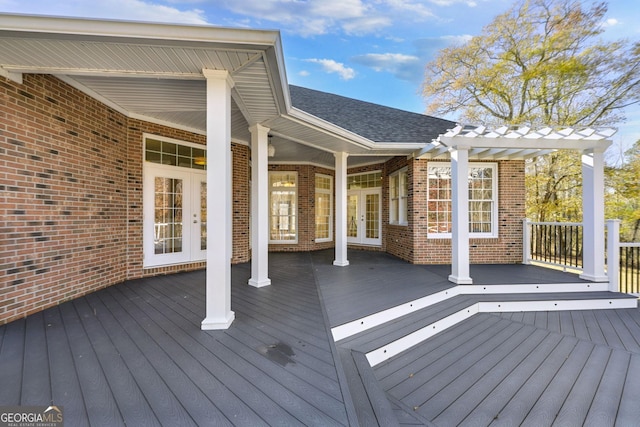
x=219 y=241
x=460 y=216
x=341 y=210
x=259 y=206
x=593 y=252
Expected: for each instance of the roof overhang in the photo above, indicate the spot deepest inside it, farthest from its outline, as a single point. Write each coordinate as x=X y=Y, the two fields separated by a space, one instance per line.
x=149 y=70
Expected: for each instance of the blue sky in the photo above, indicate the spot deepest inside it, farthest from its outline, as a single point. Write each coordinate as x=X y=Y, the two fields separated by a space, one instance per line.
x=373 y=50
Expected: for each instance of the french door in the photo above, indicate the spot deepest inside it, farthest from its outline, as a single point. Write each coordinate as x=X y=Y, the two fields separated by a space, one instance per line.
x=175 y=221
x=364 y=214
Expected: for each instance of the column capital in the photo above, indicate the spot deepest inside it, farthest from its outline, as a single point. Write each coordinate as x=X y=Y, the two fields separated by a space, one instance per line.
x=259 y=129
x=218 y=75
x=343 y=154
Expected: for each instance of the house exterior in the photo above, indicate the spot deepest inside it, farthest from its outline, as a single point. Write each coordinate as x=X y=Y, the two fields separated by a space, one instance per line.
x=132 y=149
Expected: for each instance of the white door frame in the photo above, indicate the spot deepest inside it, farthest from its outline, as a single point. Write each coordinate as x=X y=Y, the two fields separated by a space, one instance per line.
x=360 y=218
x=191 y=215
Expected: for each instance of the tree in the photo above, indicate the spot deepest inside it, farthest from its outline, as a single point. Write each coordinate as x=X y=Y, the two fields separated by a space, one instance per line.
x=541 y=63
x=623 y=188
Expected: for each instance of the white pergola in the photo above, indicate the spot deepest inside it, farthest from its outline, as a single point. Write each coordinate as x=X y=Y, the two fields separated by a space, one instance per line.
x=521 y=142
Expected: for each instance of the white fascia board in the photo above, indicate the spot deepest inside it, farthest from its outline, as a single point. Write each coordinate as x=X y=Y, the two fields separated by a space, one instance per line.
x=306 y=119
x=324 y=126
x=66 y=26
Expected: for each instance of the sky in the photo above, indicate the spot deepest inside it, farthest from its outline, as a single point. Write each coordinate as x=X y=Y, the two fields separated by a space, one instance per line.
x=372 y=50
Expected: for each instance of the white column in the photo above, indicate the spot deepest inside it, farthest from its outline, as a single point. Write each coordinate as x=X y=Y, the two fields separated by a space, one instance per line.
x=259 y=206
x=460 y=216
x=341 y=210
x=593 y=215
x=219 y=240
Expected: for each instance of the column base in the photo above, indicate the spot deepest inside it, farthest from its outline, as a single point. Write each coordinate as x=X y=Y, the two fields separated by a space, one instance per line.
x=341 y=263
x=259 y=283
x=593 y=278
x=209 y=323
x=460 y=280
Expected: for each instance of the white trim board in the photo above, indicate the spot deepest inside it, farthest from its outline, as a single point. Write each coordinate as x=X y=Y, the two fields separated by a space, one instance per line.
x=360 y=325
x=396 y=347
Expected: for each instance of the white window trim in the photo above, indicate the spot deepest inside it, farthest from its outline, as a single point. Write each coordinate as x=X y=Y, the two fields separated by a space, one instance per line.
x=284 y=242
x=494 y=208
x=328 y=192
x=403 y=212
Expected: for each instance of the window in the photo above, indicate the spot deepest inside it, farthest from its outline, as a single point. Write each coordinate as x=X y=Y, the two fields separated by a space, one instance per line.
x=483 y=201
x=398 y=188
x=324 y=208
x=283 y=202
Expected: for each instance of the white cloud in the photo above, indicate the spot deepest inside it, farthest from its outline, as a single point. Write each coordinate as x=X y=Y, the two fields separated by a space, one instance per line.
x=611 y=22
x=404 y=67
x=331 y=66
x=304 y=73
x=415 y=9
x=470 y=3
x=133 y=10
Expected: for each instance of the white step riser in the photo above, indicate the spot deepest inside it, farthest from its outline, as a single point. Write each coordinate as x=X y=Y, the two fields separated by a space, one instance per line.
x=396 y=347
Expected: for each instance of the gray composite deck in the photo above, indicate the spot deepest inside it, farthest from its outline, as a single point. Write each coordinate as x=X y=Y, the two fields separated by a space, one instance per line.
x=134 y=354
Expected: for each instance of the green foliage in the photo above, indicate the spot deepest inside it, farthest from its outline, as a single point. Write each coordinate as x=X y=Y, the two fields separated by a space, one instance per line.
x=542 y=63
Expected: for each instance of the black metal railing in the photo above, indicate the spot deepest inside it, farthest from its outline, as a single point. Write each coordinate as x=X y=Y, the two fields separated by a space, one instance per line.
x=629 y=275
x=556 y=243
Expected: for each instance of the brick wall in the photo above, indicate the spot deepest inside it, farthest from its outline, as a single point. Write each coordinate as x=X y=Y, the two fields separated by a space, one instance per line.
x=505 y=249
x=63 y=180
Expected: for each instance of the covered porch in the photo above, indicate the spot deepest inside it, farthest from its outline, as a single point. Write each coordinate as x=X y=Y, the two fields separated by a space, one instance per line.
x=133 y=353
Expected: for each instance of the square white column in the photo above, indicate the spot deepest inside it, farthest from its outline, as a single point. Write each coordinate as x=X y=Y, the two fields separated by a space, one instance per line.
x=219 y=182
x=259 y=206
x=593 y=250
x=341 y=210
x=460 y=216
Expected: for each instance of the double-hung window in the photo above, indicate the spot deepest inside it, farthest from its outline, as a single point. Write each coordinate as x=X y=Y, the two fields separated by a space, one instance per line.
x=483 y=199
x=324 y=208
x=283 y=207
x=398 y=189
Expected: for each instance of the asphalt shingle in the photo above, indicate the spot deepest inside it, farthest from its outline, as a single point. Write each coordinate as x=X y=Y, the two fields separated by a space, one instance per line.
x=372 y=121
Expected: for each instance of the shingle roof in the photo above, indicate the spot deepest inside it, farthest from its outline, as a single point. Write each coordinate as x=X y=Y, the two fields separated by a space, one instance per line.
x=372 y=121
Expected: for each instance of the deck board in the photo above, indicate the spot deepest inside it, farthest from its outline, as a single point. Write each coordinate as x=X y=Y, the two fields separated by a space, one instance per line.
x=11 y=362
x=510 y=404
x=102 y=408
x=36 y=386
x=164 y=403
x=65 y=386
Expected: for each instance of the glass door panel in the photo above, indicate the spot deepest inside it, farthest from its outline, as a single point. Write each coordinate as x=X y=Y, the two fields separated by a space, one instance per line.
x=168 y=214
x=372 y=214
x=353 y=219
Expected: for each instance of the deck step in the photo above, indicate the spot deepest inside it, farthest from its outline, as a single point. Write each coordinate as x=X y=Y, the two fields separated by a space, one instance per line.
x=385 y=340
